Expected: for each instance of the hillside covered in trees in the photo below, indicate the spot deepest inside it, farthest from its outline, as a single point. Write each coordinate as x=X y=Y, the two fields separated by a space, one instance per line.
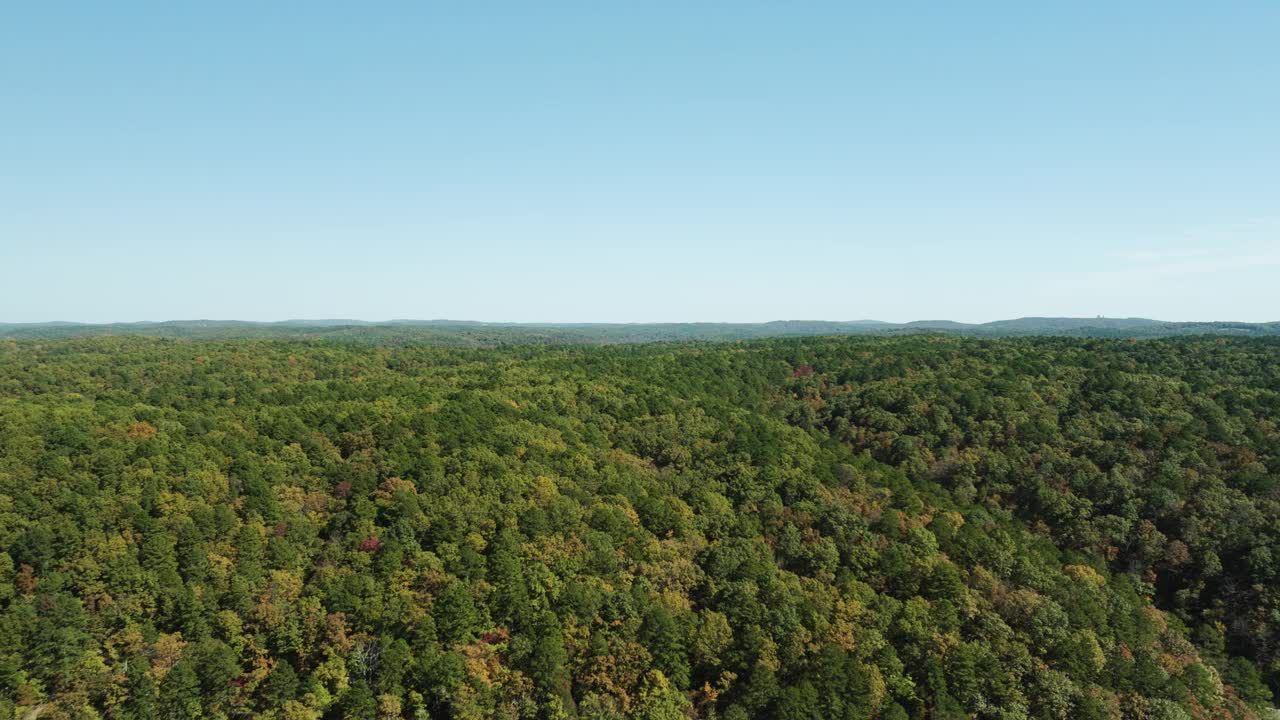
x=459 y=333
x=885 y=528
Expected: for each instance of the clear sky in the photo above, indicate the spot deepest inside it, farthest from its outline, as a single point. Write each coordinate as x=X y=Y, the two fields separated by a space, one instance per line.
x=639 y=161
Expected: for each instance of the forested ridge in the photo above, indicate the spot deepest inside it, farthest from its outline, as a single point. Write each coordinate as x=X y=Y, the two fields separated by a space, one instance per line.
x=914 y=527
x=461 y=333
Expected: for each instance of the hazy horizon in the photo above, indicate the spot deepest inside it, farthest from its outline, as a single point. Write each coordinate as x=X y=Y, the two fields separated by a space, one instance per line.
x=442 y=320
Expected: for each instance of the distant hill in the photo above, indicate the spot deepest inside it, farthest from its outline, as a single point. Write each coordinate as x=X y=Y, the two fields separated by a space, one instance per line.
x=1076 y=322
x=1119 y=327
x=482 y=334
x=937 y=325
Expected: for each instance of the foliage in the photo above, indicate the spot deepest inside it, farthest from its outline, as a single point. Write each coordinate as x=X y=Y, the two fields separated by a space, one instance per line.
x=917 y=527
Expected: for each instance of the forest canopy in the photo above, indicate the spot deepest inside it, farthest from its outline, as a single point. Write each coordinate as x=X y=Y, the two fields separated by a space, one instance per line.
x=858 y=527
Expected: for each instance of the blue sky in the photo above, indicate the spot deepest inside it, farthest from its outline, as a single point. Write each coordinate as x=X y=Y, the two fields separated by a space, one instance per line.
x=655 y=161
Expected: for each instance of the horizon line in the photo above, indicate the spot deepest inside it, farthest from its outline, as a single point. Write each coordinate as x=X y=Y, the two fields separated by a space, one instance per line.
x=458 y=321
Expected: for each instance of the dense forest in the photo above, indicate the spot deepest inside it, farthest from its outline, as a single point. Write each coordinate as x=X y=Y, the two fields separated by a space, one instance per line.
x=918 y=527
